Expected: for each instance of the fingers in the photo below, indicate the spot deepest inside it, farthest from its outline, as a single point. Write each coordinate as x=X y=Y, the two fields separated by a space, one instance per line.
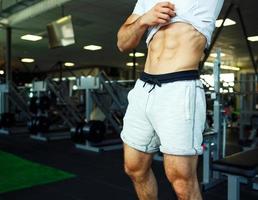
x=167 y=11
x=166 y=8
x=161 y=13
x=167 y=5
x=161 y=21
x=164 y=17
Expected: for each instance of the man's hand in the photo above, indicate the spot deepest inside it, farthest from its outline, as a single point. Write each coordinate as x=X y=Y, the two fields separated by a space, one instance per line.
x=161 y=13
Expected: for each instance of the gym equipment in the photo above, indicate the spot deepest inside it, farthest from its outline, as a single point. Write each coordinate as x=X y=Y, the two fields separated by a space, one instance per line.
x=214 y=139
x=111 y=98
x=239 y=168
x=248 y=103
x=51 y=102
x=39 y=125
x=44 y=103
x=33 y=107
x=252 y=140
x=92 y=131
x=12 y=100
x=67 y=110
x=32 y=125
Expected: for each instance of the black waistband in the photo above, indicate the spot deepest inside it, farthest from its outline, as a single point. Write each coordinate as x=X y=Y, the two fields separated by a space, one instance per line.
x=170 y=77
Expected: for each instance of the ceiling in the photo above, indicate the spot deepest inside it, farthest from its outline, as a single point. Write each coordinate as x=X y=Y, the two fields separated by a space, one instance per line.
x=97 y=22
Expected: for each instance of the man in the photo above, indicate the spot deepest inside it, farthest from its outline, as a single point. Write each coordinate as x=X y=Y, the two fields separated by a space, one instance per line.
x=167 y=107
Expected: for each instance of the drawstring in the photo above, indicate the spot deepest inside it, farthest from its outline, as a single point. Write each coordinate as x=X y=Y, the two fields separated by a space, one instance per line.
x=152 y=81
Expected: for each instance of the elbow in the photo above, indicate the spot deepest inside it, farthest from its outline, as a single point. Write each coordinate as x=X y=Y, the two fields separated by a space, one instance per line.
x=120 y=44
x=122 y=47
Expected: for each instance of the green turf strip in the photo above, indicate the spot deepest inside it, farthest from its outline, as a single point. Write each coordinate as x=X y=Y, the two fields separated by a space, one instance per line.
x=17 y=173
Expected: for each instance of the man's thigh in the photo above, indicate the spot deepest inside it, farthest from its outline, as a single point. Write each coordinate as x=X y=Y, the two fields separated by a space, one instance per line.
x=180 y=167
x=135 y=160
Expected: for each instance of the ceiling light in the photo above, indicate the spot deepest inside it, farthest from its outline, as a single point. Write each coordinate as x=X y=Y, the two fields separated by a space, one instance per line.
x=27 y=60
x=72 y=78
x=253 y=38
x=228 y=22
x=31 y=37
x=230 y=67
x=92 y=47
x=56 y=79
x=137 y=54
x=69 y=64
x=75 y=87
x=214 y=55
x=131 y=64
x=29 y=85
x=1 y=72
x=210 y=64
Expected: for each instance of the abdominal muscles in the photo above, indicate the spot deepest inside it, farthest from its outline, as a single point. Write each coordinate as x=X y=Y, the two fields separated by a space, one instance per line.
x=176 y=47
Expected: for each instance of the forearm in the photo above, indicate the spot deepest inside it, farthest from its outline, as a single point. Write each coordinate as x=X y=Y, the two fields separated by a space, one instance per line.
x=131 y=32
x=130 y=35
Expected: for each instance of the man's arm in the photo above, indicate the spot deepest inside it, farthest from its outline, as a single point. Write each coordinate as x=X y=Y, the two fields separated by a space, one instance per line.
x=135 y=26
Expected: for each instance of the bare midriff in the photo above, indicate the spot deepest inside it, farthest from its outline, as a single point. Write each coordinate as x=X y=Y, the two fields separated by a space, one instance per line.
x=175 y=47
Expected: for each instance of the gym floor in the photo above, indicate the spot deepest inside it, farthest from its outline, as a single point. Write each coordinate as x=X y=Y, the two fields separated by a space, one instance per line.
x=98 y=176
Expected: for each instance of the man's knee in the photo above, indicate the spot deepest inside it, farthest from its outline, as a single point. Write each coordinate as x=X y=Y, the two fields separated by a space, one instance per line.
x=135 y=171
x=136 y=164
x=180 y=170
x=183 y=175
x=185 y=184
x=183 y=180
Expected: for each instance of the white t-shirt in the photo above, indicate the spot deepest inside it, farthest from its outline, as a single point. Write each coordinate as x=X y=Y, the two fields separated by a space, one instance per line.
x=201 y=14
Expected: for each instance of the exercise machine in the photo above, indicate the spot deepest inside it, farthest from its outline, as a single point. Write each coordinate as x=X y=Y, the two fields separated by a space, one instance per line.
x=110 y=98
x=53 y=112
x=13 y=109
x=238 y=168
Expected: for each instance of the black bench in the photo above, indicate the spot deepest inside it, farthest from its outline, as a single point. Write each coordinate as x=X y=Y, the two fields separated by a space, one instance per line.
x=236 y=167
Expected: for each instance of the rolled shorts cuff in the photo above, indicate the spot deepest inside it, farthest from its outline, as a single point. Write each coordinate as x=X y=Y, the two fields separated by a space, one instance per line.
x=182 y=152
x=142 y=148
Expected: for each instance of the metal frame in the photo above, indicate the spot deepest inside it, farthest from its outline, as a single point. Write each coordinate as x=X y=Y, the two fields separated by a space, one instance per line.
x=233 y=187
x=9 y=93
x=217 y=117
x=104 y=83
x=214 y=140
x=247 y=101
x=42 y=86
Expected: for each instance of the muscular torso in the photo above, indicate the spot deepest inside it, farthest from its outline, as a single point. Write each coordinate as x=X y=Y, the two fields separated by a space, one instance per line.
x=175 y=47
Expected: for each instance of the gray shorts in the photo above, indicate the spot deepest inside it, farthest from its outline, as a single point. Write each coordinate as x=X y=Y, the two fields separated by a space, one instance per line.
x=170 y=118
